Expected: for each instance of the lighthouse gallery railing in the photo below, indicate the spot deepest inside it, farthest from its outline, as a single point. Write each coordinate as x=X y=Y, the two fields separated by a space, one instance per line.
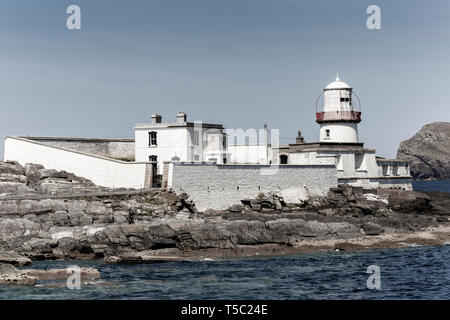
x=339 y=115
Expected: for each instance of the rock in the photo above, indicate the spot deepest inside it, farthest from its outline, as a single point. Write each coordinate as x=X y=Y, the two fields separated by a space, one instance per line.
x=61 y=274
x=12 y=187
x=39 y=249
x=11 y=167
x=60 y=218
x=266 y=203
x=409 y=201
x=7 y=177
x=97 y=208
x=112 y=259
x=33 y=206
x=9 y=275
x=328 y=212
x=143 y=258
x=15 y=228
x=121 y=217
x=428 y=151
x=236 y=208
x=79 y=219
x=183 y=215
x=364 y=206
x=13 y=258
x=372 y=229
x=33 y=174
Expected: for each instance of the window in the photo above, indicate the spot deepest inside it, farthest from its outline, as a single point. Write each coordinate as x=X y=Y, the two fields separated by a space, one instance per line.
x=153 y=158
x=395 y=170
x=327 y=133
x=152 y=138
x=283 y=159
x=345 y=99
x=195 y=138
x=196 y=157
x=385 y=169
x=360 y=164
x=340 y=164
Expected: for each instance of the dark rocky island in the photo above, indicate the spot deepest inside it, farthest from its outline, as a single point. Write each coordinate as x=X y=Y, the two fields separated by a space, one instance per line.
x=48 y=214
x=428 y=151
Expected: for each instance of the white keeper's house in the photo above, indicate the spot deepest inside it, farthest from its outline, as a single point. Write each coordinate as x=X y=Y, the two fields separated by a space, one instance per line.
x=158 y=147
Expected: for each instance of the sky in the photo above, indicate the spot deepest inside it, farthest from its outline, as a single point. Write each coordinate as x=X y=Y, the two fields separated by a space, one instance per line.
x=241 y=63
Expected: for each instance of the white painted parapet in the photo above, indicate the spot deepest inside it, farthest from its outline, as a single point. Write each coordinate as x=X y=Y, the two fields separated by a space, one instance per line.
x=100 y=170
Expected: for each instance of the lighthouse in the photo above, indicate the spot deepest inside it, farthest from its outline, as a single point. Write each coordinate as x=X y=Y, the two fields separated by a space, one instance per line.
x=338 y=118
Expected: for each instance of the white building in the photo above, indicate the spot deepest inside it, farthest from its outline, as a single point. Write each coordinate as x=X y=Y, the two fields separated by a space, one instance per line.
x=180 y=140
x=111 y=162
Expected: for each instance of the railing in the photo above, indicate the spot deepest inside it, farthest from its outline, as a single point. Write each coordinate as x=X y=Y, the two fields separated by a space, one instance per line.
x=351 y=116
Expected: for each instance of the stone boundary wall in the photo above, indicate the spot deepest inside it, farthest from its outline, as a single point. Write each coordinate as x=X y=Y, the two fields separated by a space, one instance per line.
x=213 y=186
x=404 y=183
x=100 y=170
x=119 y=149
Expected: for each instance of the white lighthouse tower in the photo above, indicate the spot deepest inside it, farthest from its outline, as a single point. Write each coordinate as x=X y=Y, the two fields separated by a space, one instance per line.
x=338 y=118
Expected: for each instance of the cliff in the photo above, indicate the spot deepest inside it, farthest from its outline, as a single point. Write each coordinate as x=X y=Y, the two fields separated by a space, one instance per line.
x=428 y=151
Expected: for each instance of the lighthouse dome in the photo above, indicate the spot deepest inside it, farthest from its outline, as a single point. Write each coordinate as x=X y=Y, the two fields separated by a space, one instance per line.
x=337 y=84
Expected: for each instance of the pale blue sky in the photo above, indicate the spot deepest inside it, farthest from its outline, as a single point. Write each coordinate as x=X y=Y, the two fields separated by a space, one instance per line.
x=237 y=62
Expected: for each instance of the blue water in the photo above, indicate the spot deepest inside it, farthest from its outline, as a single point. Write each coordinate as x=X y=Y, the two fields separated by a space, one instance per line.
x=408 y=273
x=443 y=185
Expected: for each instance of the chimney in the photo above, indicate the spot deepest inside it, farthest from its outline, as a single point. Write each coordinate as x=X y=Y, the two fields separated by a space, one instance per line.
x=299 y=138
x=181 y=117
x=156 y=118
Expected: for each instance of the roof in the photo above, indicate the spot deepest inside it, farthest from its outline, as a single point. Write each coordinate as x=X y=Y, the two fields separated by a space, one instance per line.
x=337 y=84
x=329 y=147
x=77 y=139
x=177 y=125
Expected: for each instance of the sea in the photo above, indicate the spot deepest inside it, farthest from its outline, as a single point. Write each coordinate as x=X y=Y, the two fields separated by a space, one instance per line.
x=407 y=273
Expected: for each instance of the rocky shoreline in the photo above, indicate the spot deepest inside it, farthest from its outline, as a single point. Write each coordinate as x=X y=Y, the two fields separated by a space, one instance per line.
x=158 y=226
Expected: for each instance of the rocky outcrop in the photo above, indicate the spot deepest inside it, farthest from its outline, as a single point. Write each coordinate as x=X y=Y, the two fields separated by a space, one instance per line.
x=157 y=226
x=60 y=274
x=136 y=228
x=9 y=275
x=35 y=179
x=428 y=151
x=265 y=203
x=14 y=259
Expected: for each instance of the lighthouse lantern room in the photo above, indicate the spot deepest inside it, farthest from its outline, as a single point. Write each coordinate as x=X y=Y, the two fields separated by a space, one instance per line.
x=338 y=118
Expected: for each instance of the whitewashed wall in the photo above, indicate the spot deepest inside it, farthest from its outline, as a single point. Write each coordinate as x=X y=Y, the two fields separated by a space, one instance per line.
x=171 y=142
x=339 y=132
x=402 y=169
x=102 y=171
x=250 y=154
x=344 y=161
x=219 y=186
x=178 y=142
